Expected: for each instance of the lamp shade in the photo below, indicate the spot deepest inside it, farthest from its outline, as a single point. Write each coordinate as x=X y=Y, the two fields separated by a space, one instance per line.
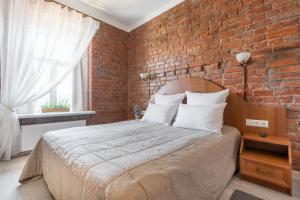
x=243 y=57
x=143 y=76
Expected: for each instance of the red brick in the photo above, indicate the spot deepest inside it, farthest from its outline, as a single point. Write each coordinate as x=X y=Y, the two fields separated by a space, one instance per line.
x=184 y=37
x=275 y=41
x=291 y=30
x=108 y=75
x=290 y=84
x=263 y=93
x=275 y=33
x=260 y=31
x=284 y=59
x=270 y=99
x=233 y=69
x=232 y=81
x=294 y=107
x=285 y=76
x=256 y=99
x=288 y=92
x=286 y=99
x=290 y=69
x=291 y=22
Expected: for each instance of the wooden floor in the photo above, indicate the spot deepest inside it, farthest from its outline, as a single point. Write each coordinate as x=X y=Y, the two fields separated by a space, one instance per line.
x=10 y=189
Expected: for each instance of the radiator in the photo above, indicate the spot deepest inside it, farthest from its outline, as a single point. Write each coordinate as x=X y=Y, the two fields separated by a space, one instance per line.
x=30 y=134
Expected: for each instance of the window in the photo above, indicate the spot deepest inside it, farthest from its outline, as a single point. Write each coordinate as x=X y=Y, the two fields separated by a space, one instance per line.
x=61 y=94
x=52 y=53
x=73 y=87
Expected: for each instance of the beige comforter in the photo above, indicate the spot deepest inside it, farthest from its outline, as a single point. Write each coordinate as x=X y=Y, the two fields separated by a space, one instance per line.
x=134 y=161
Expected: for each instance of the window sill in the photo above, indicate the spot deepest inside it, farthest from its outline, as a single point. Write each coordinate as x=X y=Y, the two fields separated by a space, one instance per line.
x=54 y=114
x=41 y=118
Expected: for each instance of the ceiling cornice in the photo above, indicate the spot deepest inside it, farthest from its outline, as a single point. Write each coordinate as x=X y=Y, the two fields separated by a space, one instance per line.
x=93 y=12
x=156 y=13
x=102 y=16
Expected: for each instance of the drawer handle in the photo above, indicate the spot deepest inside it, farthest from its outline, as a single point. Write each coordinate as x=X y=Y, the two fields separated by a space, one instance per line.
x=262 y=171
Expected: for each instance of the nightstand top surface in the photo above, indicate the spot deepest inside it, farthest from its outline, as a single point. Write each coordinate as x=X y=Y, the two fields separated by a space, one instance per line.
x=269 y=139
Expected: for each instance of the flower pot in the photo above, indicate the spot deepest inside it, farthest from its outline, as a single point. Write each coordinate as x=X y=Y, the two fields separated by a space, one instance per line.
x=137 y=116
x=47 y=110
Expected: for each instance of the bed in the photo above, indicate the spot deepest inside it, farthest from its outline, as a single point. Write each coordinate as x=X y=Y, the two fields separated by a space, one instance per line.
x=136 y=160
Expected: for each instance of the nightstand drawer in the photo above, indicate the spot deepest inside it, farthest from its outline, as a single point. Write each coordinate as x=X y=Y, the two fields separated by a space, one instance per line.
x=271 y=174
x=267 y=161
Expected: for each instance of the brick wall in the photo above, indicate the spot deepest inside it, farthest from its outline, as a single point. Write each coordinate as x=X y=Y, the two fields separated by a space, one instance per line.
x=200 y=38
x=108 y=75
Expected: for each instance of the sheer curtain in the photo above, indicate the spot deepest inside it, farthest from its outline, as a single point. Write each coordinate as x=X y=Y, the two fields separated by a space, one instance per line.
x=75 y=84
x=41 y=43
x=80 y=85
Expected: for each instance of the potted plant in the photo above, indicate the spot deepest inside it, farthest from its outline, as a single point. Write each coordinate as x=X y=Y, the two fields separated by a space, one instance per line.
x=56 y=106
x=137 y=112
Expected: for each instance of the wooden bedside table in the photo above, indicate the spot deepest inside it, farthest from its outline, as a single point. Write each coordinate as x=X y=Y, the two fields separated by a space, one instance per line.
x=267 y=161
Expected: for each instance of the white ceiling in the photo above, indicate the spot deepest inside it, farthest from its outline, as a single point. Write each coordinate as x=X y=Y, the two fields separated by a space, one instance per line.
x=124 y=14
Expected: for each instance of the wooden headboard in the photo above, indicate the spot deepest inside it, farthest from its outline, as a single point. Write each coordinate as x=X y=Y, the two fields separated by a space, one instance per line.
x=237 y=110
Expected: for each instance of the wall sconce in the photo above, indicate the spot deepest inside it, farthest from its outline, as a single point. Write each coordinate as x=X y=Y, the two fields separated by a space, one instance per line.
x=243 y=58
x=147 y=77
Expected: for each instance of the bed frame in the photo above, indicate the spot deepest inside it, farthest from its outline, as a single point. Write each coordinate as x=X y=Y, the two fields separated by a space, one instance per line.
x=237 y=110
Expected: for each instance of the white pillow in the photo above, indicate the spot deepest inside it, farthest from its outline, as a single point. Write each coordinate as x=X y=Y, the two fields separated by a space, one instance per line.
x=160 y=113
x=152 y=99
x=207 y=98
x=169 y=99
x=201 y=117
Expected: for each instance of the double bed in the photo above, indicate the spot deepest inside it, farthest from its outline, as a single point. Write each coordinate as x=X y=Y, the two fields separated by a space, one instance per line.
x=136 y=160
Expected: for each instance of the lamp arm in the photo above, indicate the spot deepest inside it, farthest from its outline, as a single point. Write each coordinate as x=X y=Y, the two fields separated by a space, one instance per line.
x=148 y=85
x=245 y=67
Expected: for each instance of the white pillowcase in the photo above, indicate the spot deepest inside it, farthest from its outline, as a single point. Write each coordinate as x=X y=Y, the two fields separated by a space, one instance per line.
x=207 y=98
x=152 y=99
x=201 y=117
x=169 y=99
x=160 y=113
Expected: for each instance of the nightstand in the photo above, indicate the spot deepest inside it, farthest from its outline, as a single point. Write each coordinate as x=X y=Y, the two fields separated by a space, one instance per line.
x=267 y=161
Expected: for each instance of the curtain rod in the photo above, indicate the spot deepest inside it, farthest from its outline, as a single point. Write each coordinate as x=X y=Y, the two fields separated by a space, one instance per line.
x=84 y=15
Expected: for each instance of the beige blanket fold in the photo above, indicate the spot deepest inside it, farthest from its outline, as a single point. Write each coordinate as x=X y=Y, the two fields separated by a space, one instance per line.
x=134 y=160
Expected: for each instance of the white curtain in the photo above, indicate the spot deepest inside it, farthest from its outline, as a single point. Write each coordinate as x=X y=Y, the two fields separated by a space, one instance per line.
x=41 y=43
x=77 y=84
x=80 y=85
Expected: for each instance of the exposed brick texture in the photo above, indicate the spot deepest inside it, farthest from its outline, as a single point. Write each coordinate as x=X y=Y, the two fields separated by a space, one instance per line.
x=200 y=38
x=108 y=75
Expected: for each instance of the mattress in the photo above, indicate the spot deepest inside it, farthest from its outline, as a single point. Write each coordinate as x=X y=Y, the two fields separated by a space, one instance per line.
x=134 y=160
